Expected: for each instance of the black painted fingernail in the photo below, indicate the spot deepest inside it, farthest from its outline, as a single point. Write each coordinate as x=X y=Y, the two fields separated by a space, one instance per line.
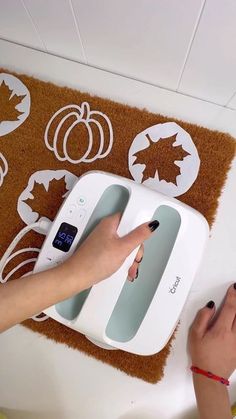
x=235 y=285
x=210 y=304
x=153 y=225
x=136 y=276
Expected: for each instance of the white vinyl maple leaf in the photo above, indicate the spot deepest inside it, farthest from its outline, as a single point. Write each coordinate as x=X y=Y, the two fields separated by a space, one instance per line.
x=161 y=156
x=8 y=103
x=46 y=202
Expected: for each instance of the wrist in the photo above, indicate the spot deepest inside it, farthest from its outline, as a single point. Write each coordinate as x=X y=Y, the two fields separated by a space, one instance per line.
x=71 y=277
x=207 y=364
x=212 y=398
x=209 y=374
x=208 y=383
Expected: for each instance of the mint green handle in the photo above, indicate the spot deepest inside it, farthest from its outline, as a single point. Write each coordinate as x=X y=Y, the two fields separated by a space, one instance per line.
x=114 y=199
x=135 y=297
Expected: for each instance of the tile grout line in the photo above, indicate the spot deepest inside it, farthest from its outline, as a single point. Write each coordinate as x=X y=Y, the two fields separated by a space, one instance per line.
x=190 y=45
x=229 y=100
x=78 y=30
x=120 y=75
x=34 y=25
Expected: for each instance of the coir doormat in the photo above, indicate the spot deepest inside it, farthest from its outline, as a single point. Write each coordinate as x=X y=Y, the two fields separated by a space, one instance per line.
x=50 y=135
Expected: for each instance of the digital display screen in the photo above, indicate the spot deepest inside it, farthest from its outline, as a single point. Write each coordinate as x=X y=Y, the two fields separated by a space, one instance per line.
x=65 y=237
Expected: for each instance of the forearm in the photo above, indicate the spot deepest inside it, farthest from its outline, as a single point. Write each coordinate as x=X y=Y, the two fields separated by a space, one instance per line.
x=26 y=296
x=212 y=398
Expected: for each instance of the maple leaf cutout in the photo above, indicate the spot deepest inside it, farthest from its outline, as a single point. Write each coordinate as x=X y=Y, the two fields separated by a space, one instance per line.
x=8 y=103
x=47 y=203
x=160 y=156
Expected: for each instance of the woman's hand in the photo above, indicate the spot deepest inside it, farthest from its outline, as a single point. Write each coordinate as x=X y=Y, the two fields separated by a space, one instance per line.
x=103 y=252
x=100 y=255
x=212 y=345
x=212 y=337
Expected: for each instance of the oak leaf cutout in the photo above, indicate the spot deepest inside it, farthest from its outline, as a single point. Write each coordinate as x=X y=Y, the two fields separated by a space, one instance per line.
x=46 y=203
x=161 y=156
x=8 y=103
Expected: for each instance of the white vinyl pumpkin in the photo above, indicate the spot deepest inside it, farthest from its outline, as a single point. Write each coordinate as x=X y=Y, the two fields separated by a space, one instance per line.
x=3 y=168
x=87 y=118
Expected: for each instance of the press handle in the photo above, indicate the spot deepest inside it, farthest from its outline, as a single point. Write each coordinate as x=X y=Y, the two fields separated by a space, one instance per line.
x=104 y=295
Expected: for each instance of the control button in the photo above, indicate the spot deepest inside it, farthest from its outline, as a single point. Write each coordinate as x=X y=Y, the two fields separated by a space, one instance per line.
x=81 y=200
x=51 y=260
x=81 y=214
x=71 y=210
x=47 y=263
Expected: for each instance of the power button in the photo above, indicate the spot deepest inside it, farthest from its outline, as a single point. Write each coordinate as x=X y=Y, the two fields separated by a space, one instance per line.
x=81 y=200
x=81 y=214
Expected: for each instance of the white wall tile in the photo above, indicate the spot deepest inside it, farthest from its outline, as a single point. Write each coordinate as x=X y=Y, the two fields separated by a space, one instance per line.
x=16 y=25
x=121 y=89
x=232 y=102
x=210 y=72
x=144 y=39
x=57 y=27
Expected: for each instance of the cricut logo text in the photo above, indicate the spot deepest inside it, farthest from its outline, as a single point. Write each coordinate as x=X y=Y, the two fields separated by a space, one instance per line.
x=175 y=285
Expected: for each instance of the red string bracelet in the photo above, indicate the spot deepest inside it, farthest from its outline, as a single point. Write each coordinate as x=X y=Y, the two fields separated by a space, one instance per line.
x=210 y=375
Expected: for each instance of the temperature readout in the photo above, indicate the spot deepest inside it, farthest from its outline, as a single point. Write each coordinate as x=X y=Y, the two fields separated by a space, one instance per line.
x=65 y=237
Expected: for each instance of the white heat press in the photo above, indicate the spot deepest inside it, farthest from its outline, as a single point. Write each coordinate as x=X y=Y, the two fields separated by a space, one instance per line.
x=139 y=316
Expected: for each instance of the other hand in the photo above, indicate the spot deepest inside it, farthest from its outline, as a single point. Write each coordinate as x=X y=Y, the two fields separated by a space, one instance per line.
x=212 y=337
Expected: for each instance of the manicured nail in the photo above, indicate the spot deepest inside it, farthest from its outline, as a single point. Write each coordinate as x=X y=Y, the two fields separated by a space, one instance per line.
x=136 y=276
x=210 y=304
x=153 y=225
x=235 y=285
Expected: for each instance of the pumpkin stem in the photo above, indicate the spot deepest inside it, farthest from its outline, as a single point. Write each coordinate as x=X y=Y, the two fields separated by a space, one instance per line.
x=85 y=110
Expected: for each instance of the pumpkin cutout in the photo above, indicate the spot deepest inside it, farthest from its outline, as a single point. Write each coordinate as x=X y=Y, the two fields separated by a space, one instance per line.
x=3 y=168
x=14 y=103
x=87 y=122
x=49 y=184
x=177 y=160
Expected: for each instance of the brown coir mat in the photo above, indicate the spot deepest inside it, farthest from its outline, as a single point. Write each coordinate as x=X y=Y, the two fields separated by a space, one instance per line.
x=51 y=135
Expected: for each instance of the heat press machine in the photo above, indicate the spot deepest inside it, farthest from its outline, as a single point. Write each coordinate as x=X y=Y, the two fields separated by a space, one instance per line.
x=140 y=316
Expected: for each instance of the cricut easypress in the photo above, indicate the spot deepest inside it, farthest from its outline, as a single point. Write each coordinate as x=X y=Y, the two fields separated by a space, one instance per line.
x=139 y=316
